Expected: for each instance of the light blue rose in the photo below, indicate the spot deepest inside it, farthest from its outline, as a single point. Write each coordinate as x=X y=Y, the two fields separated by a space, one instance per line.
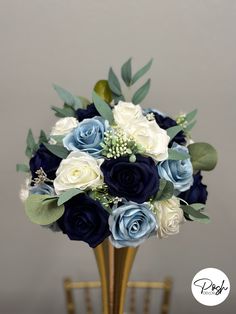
x=131 y=224
x=87 y=137
x=179 y=172
x=42 y=188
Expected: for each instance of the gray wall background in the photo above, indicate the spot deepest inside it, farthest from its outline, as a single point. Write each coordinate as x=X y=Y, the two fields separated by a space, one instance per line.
x=72 y=43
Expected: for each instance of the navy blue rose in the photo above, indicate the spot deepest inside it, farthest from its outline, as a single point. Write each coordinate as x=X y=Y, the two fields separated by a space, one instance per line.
x=165 y=123
x=43 y=158
x=85 y=220
x=87 y=113
x=197 y=192
x=135 y=181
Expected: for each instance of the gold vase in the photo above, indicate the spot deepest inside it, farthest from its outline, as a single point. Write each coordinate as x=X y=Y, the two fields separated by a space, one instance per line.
x=114 y=266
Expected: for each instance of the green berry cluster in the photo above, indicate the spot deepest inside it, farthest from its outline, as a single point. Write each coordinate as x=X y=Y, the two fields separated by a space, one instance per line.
x=116 y=144
x=181 y=120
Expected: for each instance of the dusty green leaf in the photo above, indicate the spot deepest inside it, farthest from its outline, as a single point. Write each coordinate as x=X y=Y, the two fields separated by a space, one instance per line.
x=103 y=108
x=141 y=72
x=114 y=83
x=43 y=137
x=190 y=126
x=166 y=190
x=31 y=145
x=67 y=97
x=22 y=168
x=66 y=111
x=84 y=101
x=176 y=155
x=203 y=156
x=141 y=93
x=194 y=214
x=126 y=72
x=67 y=195
x=173 y=131
x=57 y=150
x=41 y=211
x=191 y=115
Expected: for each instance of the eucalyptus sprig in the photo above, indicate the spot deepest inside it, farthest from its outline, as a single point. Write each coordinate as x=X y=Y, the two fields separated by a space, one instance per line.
x=129 y=80
x=187 y=121
x=71 y=103
x=31 y=147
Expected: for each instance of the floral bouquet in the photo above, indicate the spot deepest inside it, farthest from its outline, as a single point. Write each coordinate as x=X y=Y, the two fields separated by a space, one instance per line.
x=110 y=168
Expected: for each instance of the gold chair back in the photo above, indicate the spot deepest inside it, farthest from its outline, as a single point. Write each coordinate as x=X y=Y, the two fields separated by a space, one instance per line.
x=133 y=286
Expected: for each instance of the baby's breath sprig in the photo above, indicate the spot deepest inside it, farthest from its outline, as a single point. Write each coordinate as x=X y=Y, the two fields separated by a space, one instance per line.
x=116 y=144
x=150 y=116
x=41 y=177
x=101 y=194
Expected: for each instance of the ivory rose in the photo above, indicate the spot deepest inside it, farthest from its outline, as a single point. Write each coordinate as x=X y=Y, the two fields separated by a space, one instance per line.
x=79 y=170
x=126 y=113
x=64 y=126
x=169 y=216
x=147 y=134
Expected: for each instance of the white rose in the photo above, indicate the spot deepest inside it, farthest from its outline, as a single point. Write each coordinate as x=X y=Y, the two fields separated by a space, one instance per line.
x=169 y=216
x=125 y=113
x=64 y=126
x=151 y=137
x=79 y=170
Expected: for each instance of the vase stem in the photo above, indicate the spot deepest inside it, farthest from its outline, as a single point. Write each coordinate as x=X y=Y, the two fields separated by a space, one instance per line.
x=114 y=266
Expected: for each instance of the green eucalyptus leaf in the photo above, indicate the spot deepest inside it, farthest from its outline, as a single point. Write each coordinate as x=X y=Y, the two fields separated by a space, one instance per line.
x=66 y=196
x=141 y=72
x=166 y=190
x=194 y=214
x=114 y=83
x=198 y=206
x=31 y=145
x=41 y=211
x=126 y=72
x=191 y=115
x=57 y=138
x=43 y=137
x=190 y=126
x=203 y=156
x=57 y=150
x=103 y=90
x=59 y=112
x=173 y=131
x=175 y=155
x=66 y=111
x=84 y=101
x=141 y=93
x=203 y=219
x=77 y=103
x=22 y=168
x=103 y=108
x=67 y=97
x=118 y=98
